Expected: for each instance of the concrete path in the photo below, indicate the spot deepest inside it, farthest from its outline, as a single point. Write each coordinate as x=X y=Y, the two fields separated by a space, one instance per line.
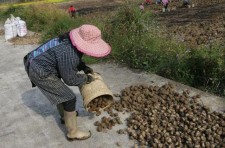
x=28 y=120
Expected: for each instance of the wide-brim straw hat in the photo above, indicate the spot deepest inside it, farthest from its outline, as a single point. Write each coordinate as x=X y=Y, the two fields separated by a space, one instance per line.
x=87 y=39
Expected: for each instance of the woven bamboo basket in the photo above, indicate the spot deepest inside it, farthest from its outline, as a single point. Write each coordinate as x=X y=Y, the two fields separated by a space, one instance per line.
x=94 y=90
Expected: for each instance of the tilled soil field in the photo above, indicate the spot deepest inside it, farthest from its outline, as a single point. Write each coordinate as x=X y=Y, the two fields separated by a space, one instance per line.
x=201 y=24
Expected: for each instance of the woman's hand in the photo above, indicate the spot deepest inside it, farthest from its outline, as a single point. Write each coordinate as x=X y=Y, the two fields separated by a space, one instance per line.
x=88 y=70
x=89 y=79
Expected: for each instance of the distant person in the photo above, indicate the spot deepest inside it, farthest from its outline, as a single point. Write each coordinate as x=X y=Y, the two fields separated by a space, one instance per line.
x=165 y=4
x=147 y=2
x=72 y=11
x=158 y=2
x=141 y=6
x=186 y=3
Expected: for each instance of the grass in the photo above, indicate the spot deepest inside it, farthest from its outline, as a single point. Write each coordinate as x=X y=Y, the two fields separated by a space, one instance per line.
x=135 y=41
x=31 y=3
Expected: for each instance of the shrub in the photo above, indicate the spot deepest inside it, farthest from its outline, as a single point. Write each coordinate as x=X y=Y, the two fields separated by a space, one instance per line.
x=136 y=42
x=207 y=69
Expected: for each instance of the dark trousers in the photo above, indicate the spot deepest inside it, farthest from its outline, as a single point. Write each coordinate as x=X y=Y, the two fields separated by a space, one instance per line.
x=166 y=6
x=73 y=13
x=69 y=106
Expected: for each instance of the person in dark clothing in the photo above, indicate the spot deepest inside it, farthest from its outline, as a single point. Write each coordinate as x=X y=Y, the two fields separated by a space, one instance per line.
x=186 y=3
x=56 y=63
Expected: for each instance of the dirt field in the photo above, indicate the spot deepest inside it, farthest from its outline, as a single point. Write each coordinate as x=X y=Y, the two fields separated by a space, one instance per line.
x=202 y=24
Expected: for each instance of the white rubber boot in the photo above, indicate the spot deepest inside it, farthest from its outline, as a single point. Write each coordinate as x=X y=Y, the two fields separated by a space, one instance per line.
x=72 y=131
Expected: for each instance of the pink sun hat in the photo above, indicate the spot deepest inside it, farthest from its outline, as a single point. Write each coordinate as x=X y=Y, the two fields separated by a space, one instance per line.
x=87 y=39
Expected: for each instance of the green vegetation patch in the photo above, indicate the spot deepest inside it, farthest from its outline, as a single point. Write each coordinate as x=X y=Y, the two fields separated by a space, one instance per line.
x=136 y=42
x=31 y=2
